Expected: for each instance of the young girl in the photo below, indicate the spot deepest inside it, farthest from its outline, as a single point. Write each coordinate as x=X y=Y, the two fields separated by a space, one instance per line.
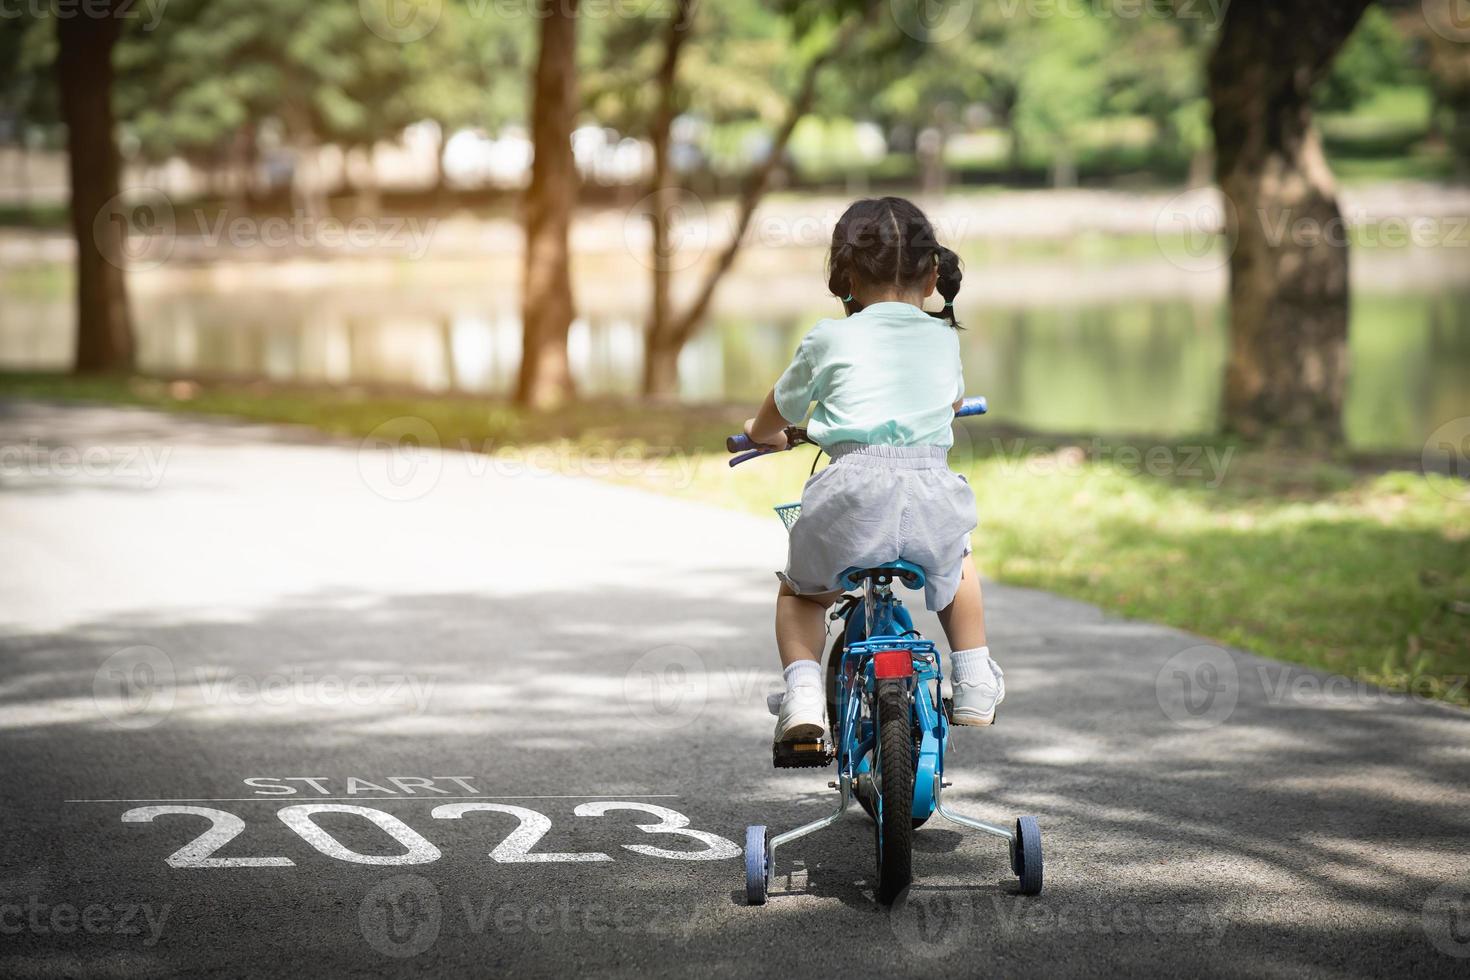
x=886 y=381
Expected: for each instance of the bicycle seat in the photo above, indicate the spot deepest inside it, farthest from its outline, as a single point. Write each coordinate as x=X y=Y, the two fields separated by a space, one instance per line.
x=906 y=572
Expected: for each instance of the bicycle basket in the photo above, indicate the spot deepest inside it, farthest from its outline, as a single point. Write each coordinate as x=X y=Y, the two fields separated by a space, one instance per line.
x=788 y=513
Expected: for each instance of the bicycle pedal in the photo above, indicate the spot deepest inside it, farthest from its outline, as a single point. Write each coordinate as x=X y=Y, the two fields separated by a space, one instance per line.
x=807 y=753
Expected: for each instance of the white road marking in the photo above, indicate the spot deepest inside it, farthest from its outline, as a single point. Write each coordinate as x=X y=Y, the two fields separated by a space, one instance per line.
x=381 y=799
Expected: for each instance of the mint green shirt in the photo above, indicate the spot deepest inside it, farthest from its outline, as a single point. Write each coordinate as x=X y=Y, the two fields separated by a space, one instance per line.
x=888 y=375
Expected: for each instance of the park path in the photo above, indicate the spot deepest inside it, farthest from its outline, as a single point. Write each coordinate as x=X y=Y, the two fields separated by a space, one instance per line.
x=186 y=604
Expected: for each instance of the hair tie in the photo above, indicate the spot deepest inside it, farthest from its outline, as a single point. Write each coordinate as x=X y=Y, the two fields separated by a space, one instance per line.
x=949 y=305
x=847 y=298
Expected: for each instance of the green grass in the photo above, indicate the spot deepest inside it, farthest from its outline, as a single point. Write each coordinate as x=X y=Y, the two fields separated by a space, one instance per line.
x=1324 y=561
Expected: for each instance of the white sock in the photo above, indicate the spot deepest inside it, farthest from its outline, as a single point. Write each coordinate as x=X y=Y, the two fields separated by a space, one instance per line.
x=803 y=673
x=971 y=666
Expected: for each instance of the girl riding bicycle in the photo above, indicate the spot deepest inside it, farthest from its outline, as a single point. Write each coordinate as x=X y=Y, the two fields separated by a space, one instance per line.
x=886 y=381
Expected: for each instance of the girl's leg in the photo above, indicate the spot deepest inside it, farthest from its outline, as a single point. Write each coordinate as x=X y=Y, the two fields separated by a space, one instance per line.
x=801 y=624
x=964 y=618
x=801 y=632
x=978 y=683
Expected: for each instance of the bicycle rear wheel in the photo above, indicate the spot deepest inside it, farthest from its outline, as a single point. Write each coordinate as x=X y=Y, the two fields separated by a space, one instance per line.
x=894 y=829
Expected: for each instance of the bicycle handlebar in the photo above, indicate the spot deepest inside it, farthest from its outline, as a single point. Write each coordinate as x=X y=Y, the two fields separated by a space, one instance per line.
x=796 y=435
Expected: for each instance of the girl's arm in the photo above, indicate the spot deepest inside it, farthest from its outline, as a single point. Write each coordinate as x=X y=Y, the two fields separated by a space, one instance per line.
x=768 y=428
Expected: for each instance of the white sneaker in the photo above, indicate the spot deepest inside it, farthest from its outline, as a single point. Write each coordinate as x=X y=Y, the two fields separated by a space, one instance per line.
x=975 y=699
x=802 y=714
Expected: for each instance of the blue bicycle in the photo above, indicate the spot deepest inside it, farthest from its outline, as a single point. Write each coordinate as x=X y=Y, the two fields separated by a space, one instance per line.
x=889 y=724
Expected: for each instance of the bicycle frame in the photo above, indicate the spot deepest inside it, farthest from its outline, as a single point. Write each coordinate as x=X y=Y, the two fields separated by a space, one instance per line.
x=879 y=624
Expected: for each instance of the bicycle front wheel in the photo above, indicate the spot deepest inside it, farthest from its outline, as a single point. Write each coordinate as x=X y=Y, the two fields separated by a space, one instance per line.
x=894 y=834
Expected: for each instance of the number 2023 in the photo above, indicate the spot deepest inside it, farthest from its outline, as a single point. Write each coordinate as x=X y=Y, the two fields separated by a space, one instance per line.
x=517 y=848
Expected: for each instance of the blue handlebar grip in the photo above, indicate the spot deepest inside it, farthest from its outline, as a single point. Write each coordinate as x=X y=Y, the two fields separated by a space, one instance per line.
x=738 y=444
x=746 y=457
x=972 y=406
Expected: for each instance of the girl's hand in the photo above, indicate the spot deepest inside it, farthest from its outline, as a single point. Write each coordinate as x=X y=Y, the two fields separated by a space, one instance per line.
x=775 y=443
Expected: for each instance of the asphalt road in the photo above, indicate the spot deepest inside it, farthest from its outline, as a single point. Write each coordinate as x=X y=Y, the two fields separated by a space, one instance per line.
x=257 y=622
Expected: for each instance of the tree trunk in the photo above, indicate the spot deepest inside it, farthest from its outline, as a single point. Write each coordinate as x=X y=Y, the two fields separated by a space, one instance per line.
x=1289 y=261
x=1446 y=34
x=662 y=347
x=98 y=220
x=546 y=294
x=660 y=365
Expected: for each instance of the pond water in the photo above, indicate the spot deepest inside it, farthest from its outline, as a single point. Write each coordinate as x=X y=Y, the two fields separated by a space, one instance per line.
x=1099 y=346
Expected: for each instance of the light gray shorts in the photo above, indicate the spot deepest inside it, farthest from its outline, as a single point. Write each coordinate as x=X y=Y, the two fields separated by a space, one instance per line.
x=875 y=504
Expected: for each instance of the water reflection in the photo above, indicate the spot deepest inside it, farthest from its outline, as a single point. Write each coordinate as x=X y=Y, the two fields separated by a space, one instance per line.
x=1152 y=365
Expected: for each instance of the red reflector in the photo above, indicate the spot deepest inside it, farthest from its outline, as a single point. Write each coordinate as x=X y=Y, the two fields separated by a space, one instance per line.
x=892 y=663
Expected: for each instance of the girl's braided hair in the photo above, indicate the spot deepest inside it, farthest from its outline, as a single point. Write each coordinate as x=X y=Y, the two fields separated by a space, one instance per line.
x=888 y=240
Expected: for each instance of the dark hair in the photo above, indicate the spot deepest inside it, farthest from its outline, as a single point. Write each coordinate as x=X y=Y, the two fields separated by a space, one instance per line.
x=888 y=240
